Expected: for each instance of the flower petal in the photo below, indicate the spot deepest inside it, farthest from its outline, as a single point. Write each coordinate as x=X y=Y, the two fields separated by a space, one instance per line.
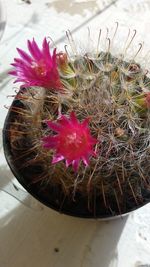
x=34 y=50
x=75 y=164
x=54 y=126
x=24 y=55
x=57 y=158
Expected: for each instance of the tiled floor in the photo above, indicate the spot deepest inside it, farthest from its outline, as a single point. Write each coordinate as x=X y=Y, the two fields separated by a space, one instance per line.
x=30 y=238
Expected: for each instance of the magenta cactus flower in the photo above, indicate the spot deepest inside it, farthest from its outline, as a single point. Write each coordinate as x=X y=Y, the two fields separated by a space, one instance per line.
x=73 y=141
x=37 y=69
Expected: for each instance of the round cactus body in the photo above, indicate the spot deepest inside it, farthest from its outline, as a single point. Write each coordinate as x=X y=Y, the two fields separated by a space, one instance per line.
x=87 y=131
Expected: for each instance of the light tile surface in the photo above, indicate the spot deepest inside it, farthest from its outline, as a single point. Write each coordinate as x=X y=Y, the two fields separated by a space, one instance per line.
x=44 y=238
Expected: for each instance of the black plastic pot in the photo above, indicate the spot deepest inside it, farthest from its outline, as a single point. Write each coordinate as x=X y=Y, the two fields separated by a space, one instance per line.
x=53 y=196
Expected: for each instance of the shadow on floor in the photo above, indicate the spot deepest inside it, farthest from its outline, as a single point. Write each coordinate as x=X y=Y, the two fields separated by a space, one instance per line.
x=48 y=239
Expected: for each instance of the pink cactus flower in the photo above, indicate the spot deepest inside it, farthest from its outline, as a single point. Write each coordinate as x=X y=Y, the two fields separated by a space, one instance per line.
x=73 y=141
x=37 y=69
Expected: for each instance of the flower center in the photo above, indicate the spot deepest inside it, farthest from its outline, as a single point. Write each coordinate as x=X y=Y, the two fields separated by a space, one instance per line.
x=74 y=139
x=74 y=145
x=39 y=68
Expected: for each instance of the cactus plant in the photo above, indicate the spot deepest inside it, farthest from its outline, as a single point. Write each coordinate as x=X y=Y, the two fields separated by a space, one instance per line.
x=79 y=128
